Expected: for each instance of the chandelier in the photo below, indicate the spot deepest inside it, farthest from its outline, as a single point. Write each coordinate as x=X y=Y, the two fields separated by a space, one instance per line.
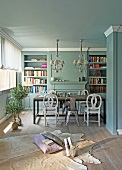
x=80 y=64
x=57 y=64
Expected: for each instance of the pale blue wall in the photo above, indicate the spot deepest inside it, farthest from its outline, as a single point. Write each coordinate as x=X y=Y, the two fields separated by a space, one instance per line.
x=114 y=82
x=119 y=80
x=68 y=73
x=111 y=84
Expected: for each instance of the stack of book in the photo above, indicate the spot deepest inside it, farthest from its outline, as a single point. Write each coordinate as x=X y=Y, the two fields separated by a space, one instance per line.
x=48 y=142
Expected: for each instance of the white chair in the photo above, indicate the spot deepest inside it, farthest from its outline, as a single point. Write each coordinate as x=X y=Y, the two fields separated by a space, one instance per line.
x=51 y=91
x=82 y=104
x=93 y=105
x=50 y=105
x=72 y=110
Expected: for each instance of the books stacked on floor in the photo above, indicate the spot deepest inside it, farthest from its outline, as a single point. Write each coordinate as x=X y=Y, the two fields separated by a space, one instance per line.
x=48 y=142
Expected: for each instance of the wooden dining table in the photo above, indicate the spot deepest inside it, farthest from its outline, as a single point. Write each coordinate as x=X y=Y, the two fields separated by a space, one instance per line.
x=39 y=98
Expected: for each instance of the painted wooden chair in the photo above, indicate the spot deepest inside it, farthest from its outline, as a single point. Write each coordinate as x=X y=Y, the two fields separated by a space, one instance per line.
x=93 y=105
x=82 y=104
x=50 y=106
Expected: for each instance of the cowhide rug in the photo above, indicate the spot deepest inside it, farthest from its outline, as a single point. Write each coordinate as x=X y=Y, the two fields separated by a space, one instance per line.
x=20 y=153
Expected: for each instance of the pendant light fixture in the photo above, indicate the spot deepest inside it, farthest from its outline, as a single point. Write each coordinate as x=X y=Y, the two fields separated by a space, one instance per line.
x=80 y=64
x=57 y=64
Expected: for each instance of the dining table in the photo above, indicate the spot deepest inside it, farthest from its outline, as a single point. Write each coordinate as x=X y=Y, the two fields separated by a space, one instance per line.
x=62 y=99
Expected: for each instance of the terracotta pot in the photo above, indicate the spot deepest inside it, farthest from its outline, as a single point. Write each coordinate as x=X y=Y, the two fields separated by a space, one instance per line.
x=17 y=119
x=14 y=126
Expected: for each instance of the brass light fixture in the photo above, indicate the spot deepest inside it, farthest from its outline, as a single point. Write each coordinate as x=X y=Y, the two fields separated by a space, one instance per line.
x=57 y=64
x=80 y=64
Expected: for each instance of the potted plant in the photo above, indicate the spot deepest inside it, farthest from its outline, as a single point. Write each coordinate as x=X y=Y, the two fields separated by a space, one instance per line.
x=14 y=105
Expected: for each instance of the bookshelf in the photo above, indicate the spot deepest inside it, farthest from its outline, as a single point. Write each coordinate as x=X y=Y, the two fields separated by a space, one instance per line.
x=35 y=73
x=97 y=73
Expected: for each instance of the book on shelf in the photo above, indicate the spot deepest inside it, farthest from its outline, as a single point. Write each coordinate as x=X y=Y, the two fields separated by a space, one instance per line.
x=95 y=73
x=35 y=73
x=96 y=66
x=97 y=89
x=101 y=59
x=34 y=89
x=31 y=80
x=28 y=73
x=37 y=81
x=97 y=59
x=39 y=73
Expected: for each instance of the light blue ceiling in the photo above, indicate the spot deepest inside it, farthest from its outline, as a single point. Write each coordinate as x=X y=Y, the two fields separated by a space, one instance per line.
x=38 y=23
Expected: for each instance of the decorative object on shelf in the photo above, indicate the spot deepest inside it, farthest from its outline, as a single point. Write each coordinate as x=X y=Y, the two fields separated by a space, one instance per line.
x=57 y=64
x=44 y=65
x=81 y=62
x=83 y=78
x=52 y=78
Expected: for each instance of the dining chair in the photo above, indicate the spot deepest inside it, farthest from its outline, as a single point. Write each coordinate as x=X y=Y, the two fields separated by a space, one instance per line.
x=72 y=110
x=50 y=106
x=93 y=105
x=51 y=91
x=82 y=104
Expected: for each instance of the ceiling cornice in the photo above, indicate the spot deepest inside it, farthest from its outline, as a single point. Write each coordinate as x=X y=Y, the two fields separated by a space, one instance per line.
x=63 y=49
x=6 y=36
x=111 y=29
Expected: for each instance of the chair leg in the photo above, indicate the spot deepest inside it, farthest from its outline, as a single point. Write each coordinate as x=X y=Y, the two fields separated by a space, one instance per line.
x=99 y=119
x=87 y=119
x=76 y=117
x=84 y=116
x=55 y=118
x=67 y=117
x=45 y=118
x=79 y=108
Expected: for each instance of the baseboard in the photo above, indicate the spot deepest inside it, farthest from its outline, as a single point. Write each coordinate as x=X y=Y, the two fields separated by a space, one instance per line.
x=119 y=131
x=5 y=118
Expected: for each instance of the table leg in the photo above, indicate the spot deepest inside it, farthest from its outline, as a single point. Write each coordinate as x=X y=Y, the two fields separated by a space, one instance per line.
x=34 y=116
x=37 y=107
x=104 y=114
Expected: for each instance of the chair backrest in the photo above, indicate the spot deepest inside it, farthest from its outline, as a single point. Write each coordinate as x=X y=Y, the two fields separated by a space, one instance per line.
x=51 y=91
x=72 y=103
x=84 y=92
x=50 y=101
x=94 y=101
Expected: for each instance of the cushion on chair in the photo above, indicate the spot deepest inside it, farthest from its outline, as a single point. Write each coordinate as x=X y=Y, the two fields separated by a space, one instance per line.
x=38 y=138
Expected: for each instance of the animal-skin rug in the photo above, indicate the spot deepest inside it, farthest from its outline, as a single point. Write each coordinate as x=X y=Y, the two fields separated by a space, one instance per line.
x=20 y=153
